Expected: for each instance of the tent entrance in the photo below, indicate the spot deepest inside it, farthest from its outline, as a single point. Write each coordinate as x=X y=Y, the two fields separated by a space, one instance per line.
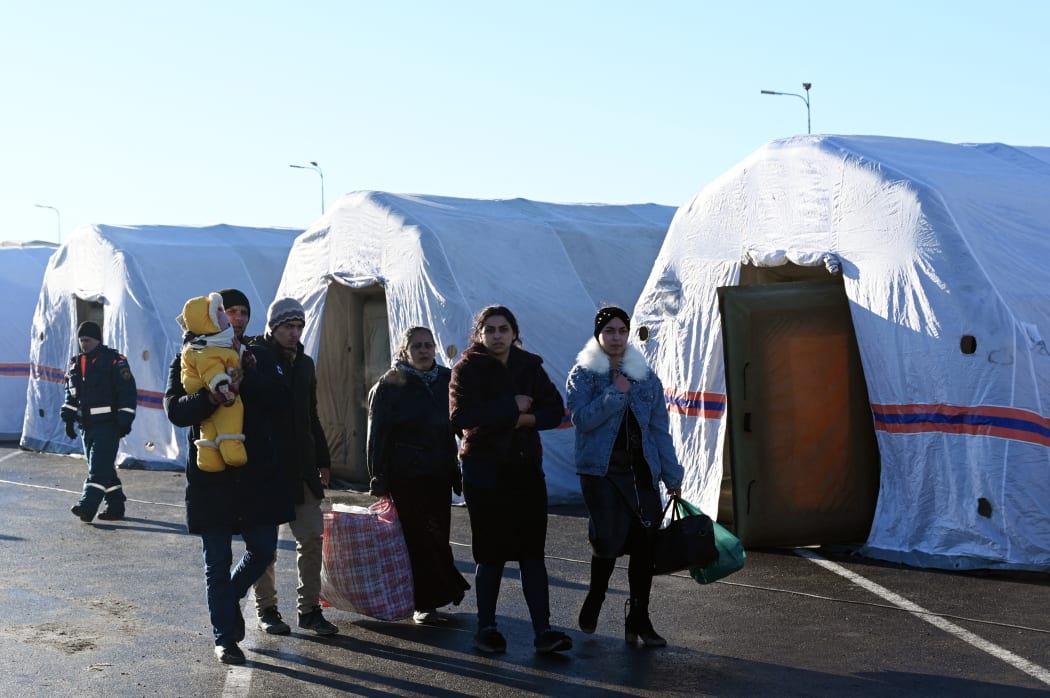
x=353 y=352
x=89 y=311
x=801 y=447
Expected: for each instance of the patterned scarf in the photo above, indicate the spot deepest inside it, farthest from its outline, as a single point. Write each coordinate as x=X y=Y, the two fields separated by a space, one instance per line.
x=428 y=377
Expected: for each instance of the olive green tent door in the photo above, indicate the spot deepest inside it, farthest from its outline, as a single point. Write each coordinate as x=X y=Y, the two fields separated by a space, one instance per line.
x=801 y=444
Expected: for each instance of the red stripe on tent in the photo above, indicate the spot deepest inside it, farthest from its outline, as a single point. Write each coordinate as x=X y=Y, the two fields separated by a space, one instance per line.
x=957 y=410
x=696 y=404
x=982 y=420
x=972 y=429
x=47 y=373
x=14 y=369
x=695 y=412
x=145 y=398
x=149 y=398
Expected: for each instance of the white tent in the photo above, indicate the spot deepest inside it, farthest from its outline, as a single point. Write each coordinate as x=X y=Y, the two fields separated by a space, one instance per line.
x=133 y=281
x=942 y=251
x=22 y=266
x=377 y=263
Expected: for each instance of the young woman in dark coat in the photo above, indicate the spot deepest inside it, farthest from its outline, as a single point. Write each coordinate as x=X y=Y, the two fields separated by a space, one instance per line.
x=412 y=459
x=500 y=398
x=246 y=500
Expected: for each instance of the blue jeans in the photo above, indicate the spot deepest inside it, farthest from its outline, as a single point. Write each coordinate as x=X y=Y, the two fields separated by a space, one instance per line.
x=100 y=448
x=226 y=590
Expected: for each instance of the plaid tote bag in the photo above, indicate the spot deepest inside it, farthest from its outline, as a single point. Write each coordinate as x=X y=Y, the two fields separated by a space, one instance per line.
x=366 y=567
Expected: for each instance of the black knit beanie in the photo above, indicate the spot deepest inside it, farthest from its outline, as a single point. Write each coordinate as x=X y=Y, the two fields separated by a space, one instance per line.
x=606 y=314
x=232 y=297
x=89 y=329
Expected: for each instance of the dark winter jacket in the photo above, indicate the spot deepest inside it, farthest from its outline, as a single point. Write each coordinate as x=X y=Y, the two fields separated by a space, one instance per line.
x=100 y=390
x=252 y=494
x=483 y=410
x=301 y=443
x=409 y=434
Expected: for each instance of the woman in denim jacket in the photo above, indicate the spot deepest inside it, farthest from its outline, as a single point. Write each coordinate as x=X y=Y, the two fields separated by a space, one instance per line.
x=623 y=452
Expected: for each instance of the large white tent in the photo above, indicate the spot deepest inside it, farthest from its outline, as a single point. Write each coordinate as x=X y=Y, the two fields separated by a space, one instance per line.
x=22 y=266
x=943 y=252
x=377 y=263
x=133 y=281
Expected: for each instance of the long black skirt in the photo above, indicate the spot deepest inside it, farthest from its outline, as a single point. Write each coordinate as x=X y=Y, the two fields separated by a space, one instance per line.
x=619 y=503
x=424 y=508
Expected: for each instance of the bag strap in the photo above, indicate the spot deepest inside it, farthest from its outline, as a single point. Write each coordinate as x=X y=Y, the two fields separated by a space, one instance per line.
x=675 y=513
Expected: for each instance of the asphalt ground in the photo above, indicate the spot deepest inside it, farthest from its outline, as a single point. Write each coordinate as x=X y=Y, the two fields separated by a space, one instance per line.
x=118 y=609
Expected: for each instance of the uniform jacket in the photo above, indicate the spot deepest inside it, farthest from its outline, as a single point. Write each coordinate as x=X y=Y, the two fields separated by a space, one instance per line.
x=253 y=494
x=597 y=408
x=301 y=444
x=100 y=389
x=409 y=433
x=484 y=412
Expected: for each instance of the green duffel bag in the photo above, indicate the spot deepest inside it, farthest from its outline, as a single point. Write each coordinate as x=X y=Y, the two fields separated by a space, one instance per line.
x=731 y=553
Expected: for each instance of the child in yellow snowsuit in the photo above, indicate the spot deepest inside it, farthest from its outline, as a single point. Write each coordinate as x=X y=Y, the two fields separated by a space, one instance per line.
x=206 y=361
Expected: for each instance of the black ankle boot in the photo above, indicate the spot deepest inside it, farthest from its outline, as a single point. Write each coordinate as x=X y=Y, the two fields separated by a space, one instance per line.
x=592 y=606
x=636 y=624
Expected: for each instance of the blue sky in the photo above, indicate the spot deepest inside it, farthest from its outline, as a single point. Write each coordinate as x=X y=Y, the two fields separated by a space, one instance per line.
x=191 y=113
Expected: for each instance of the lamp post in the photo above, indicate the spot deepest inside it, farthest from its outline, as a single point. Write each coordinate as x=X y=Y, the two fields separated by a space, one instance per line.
x=59 y=219
x=317 y=168
x=805 y=86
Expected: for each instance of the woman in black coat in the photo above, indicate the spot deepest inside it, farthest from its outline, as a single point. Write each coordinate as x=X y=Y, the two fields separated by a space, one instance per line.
x=500 y=398
x=412 y=459
x=248 y=500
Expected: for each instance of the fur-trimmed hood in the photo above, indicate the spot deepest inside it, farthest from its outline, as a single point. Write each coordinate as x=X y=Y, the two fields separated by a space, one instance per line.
x=594 y=358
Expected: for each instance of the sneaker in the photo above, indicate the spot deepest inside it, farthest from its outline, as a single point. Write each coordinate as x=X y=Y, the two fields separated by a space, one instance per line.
x=229 y=653
x=552 y=641
x=82 y=513
x=316 y=622
x=490 y=641
x=271 y=622
x=428 y=616
x=110 y=515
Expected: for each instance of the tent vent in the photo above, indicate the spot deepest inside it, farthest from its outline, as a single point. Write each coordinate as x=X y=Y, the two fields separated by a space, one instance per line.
x=643 y=333
x=984 y=507
x=968 y=344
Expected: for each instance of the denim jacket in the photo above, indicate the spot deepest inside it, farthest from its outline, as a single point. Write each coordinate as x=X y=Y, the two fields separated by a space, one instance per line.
x=597 y=409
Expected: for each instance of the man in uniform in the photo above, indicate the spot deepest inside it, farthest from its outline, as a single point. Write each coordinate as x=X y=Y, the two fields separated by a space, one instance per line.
x=101 y=397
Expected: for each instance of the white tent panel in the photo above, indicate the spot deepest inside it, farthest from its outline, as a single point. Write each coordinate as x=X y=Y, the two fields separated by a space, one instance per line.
x=134 y=280
x=439 y=260
x=22 y=266
x=935 y=241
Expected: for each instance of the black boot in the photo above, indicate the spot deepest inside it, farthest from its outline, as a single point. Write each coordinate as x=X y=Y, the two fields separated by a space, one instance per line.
x=636 y=624
x=592 y=606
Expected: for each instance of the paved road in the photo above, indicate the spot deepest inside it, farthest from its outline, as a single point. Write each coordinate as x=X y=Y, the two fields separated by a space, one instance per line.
x=118 y=609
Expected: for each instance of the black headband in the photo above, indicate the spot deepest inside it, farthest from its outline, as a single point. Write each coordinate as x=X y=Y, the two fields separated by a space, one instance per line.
x=606 y=314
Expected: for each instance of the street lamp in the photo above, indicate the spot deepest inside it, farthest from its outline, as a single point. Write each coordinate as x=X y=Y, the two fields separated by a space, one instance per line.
x=805 y=86
x=317 y=168
x=59 y=219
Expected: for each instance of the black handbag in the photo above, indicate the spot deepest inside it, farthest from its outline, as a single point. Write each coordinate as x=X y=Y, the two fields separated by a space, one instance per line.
x=684 y=543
